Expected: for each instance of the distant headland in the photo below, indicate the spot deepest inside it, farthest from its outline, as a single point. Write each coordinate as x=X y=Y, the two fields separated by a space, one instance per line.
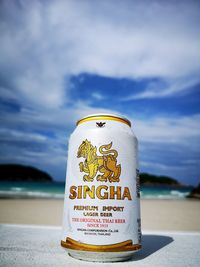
x=21 y=173
x=150 y=179
x=195 y=193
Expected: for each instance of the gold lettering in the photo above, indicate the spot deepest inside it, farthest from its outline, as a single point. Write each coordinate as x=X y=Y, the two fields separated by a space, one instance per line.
x=79 y=192
x=101 y=192
x=98 y=192
x=87 y=191
x=126 y=194
x=72 y=192
x=114 y=192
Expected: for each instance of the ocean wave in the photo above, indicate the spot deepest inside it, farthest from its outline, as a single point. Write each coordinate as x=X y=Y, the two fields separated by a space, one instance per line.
x=17 y=189
x=22 y=192
x=171 y=194
x=179 y=194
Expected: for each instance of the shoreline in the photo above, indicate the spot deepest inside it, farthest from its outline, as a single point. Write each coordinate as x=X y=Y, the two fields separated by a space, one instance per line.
x=62 y=198
x=159 y=214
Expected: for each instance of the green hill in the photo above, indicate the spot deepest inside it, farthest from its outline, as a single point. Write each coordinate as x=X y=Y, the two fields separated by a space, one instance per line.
x=149 y=179
x=16 y=172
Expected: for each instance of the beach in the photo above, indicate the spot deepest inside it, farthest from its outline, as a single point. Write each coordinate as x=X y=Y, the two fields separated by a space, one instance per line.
x=172 y=215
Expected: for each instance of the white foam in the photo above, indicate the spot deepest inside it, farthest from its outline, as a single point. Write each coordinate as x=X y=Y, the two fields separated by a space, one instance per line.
x=17 y=189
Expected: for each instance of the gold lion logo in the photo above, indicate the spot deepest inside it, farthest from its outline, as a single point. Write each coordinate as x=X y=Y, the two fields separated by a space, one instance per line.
x=106 y=164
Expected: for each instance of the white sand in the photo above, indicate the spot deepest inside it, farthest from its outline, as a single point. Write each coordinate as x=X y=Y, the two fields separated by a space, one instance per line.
x=181 y=215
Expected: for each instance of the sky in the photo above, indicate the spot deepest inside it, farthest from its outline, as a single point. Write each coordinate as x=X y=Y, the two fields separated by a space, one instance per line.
x=62 y=60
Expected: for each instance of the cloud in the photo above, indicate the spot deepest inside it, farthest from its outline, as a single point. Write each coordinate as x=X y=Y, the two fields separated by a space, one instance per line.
x=44 y=43
x=179 y=130
x=21 y=136
x=41 y=138
x=159 y=166
x=98 y=96
x=160 y=89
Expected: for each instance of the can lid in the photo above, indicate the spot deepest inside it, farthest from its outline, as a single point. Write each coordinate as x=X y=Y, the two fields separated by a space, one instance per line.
x=101 y=116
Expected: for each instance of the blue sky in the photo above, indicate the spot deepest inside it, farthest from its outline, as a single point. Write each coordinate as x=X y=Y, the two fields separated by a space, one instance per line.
x=61 y=60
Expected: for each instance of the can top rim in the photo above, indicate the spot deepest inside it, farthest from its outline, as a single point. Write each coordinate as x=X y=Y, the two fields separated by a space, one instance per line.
x=104 y=116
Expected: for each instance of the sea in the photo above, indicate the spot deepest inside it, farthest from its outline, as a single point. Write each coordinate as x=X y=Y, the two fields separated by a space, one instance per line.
x=55 y=190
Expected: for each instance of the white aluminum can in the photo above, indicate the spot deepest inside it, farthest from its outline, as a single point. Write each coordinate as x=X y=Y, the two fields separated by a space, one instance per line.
x=101 y=218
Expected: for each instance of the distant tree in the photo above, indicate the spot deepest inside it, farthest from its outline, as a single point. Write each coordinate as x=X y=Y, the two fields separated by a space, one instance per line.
x=16 y=172
x=146 y=178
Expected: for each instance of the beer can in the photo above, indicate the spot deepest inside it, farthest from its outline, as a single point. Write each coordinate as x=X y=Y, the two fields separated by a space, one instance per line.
x=101 y=218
